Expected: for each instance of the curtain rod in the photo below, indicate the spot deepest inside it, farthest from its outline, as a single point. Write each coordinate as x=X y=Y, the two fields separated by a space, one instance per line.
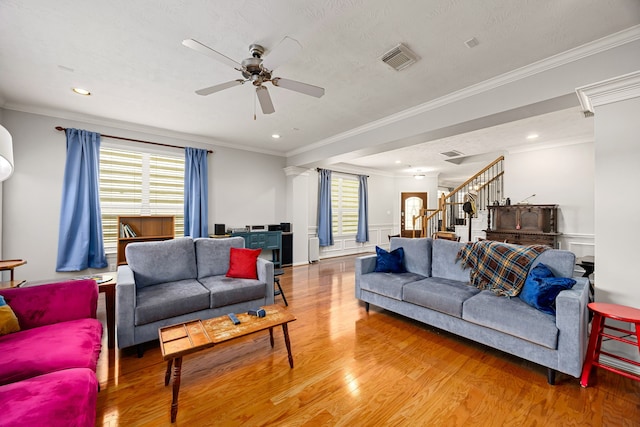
x=60 y=128
x=344 y=173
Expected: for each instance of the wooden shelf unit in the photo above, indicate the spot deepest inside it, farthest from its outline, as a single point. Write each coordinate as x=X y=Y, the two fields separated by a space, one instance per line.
x=147 y=228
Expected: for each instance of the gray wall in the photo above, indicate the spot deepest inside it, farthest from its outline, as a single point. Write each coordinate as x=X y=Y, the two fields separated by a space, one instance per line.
x=245 y=188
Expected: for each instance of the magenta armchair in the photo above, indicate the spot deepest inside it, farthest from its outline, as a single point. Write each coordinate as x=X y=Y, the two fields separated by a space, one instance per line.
x=47 y=374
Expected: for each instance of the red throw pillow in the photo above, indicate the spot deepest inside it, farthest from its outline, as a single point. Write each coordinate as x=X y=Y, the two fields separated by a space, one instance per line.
x=242 y=263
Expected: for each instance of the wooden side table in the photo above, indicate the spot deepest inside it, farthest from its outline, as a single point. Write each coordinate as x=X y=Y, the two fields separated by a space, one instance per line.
x=108 y=288
x=10 y=264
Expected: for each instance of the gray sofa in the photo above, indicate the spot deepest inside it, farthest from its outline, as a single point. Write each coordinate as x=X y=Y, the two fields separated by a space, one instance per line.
x=174 y=281
x=435 y=290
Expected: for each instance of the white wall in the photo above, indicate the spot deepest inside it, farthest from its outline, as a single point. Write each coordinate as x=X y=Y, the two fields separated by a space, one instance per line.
x=245 y=188
x=561 y=175
x=617 y=206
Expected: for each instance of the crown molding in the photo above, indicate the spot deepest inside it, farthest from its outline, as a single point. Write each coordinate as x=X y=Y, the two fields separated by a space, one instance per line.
x=133 y=127
x=606 y=43
x=609 y=91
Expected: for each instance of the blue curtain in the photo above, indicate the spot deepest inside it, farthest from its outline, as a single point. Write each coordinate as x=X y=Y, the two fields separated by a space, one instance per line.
x=325 y=234
x=80 y=244
x=362 y=235
x=196 y=193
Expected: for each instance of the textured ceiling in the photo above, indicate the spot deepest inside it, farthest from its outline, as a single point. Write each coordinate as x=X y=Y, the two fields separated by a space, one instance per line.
x=129 y=54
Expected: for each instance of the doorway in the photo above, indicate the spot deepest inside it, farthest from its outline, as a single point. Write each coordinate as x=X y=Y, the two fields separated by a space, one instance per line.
x=410 y=205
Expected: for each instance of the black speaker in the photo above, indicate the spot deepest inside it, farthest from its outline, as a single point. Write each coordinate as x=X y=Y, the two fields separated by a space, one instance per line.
x=219 y=229
x=286 y=227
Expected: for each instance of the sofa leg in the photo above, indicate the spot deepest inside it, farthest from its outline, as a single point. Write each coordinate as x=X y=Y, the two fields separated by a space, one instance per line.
x=140 y=348
x=551 y=376
x=366 y=306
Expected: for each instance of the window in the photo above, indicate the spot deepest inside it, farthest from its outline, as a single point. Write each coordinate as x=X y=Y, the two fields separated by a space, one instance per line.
x=139 y=183
x=344 y=205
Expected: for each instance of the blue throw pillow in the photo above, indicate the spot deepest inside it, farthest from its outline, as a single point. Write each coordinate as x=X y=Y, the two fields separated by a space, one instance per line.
x=541 y=288
x=390 y=262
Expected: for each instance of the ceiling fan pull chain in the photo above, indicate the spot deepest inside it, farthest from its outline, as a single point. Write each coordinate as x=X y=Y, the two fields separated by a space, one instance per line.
x=255 y=97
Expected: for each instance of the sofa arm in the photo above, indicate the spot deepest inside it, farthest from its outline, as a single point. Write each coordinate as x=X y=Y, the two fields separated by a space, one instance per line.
x=365 y=264
x=572 y=319
x=265 y=274
x=125 y=306
x=47 y=304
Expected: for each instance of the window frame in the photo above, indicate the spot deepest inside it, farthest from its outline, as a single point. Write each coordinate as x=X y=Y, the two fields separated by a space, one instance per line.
x=343 y=207
x=146 y=204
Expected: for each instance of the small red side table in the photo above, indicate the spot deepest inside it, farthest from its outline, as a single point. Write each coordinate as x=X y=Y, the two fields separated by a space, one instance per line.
x=602 y=311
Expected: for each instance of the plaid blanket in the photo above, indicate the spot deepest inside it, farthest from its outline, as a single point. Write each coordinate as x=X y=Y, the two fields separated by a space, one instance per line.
x=500 y=267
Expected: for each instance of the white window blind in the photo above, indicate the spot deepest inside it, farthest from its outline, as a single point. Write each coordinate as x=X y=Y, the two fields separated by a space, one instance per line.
x=139 y=183
x=344 y=205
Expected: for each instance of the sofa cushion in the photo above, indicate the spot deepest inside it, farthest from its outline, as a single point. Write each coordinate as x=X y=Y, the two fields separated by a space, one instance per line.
x=389 y=262
x=37 y=351
x=59 y=399
x=444 y=265
x=541 y=288
x=388 y=284
x=417 y=254
x=168 y=300
x=560 y=262
x=212 y=255
x=443 y=295
x=242 y=263
x=160 y=262
x=227 y=291
x=511 y=316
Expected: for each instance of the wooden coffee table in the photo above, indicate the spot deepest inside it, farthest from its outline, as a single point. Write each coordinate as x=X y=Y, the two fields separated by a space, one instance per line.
x=179 y=340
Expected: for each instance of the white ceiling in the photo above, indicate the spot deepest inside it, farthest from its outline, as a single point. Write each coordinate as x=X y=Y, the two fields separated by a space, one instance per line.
x=129 y=54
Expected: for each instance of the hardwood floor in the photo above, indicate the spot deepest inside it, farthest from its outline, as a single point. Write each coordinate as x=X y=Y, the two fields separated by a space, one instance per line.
x=353 y=369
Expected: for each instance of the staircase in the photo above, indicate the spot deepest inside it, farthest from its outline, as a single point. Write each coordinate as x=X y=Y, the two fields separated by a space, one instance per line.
x=468 y=201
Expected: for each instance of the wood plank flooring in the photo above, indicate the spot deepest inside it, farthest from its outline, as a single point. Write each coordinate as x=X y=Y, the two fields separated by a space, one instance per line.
x=353 y=369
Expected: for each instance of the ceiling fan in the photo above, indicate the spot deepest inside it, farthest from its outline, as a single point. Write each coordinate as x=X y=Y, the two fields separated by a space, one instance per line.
x=258 y=70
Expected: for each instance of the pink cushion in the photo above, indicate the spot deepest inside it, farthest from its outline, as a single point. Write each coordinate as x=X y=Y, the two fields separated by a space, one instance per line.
x=64 y=398
x=32 y=352
x=56 y=302
x=242 y=263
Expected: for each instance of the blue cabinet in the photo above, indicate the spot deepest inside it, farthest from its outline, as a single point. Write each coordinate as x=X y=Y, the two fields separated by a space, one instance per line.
x=270 y=240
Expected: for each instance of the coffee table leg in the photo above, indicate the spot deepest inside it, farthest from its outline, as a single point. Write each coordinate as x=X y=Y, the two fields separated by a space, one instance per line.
x=285 y=329
x=167 y=375
x=176 y=388
x=271 y=336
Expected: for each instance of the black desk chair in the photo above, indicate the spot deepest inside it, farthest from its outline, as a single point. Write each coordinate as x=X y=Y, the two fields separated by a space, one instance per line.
x=279 y=272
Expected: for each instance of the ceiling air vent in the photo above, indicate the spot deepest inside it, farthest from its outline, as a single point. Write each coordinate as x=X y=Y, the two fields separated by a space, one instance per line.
x=452 y=153
x=399 y=58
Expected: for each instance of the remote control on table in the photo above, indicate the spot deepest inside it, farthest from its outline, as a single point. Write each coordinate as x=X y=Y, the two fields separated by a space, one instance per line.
x=233 y=318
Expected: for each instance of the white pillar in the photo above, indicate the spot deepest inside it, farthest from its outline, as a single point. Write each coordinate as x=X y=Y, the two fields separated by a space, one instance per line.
x=297 y=211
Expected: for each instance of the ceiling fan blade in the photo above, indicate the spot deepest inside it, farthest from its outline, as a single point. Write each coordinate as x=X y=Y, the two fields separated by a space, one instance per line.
x=206 y=50
x=217 y=88
x=307 y=89
x=283 y=52
x=265 y=100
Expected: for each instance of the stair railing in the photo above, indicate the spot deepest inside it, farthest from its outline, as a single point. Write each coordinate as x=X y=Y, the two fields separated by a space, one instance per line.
x=482 y=189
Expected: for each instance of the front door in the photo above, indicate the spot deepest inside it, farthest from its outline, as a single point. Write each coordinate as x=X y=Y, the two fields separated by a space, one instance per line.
x=410 y=205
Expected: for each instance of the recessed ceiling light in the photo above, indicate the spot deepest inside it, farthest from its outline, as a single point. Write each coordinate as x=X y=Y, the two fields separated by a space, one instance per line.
x=81 y=91
x=532 y=136
x=275 y=136
x=398 y=161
